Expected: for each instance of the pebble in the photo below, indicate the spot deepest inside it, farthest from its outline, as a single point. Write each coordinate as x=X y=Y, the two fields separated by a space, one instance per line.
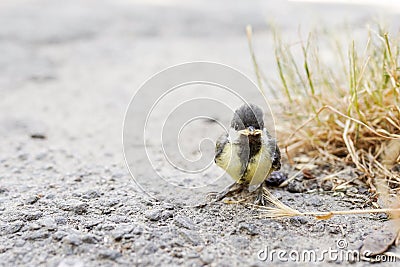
x=31 y=200
x=110 y=202
x=91 y=194
x=249 y=229
x=107 y=227
x=59 y=235
x=121 y=231
x=76 y=206
x=184 y=222
x=166 y=214
x=38 y=235
x=138 y=230
x=315 y=201
x=153 y=215
x=295 y=187
x=12 y=228
x=61 y=220
x=71 y=263
x=109 y=254
x=90 y=239
x=191 y=236
x=3 y=190
x=276 y=178
x=298 y=220
x=81 y=208
x=240 y=242
x=207 y=257
x=31 y=216
x=72 y=239
x=19 y=243
x=168 y=206
x=34 y=226
x=49 y=223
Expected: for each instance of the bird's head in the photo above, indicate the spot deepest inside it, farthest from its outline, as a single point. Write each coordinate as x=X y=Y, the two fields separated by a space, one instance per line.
x=248 y=120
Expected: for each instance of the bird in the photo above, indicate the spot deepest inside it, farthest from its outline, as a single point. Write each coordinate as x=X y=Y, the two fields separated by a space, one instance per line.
x=247 y=152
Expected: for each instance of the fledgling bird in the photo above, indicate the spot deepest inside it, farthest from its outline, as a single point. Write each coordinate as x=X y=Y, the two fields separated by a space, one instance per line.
x=248 y=153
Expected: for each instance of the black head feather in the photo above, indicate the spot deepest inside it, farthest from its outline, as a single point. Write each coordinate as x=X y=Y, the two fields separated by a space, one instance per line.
x=246 y=116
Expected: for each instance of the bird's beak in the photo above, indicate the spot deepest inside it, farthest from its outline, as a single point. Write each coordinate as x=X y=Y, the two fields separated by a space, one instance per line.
x=250 y=131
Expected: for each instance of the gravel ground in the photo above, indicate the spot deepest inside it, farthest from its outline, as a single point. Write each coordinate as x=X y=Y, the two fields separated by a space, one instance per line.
x=68 y=70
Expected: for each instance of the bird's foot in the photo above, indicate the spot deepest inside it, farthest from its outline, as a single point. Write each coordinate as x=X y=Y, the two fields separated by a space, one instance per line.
x=230 y=190
x=260 y=199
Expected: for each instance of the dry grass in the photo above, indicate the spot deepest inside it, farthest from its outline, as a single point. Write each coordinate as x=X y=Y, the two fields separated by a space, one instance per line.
x=278 y=210
x=348 y=114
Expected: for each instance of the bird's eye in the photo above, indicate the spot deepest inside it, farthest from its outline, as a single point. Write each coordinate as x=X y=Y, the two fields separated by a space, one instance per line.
x=251 y=128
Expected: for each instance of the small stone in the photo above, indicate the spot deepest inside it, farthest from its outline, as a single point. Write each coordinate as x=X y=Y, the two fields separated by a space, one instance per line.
x=298 y=221
x=184 y=222
x=38 y=235
x=34 y=226
x=51 y=196
x=207 y=257
x=153 y=215
x=49 y=223
x=70 y=262
x=121 y=231
x=240 y=242
x=327 y=185
x=110 y=202
x=168 y=206
x=117 y=175
x=61 y=220
x=119 y=219
x=166 y=214
x=107 y=227
x=295 y=187
x=382 y=216
x=117 y=235
x=59 y=235
x=72 y=239
x=91 y=224
x=41 y=136
x=32 y=216
x=12 y=228
x=315 y=201
x=249 y=229
x=109 y=254
x=91 y=194
x=333 y=229
x=81 y=208
x=23 y=156
x=192 y=237
x=138 y=230
x=276 y=178
x=90 y=239
x=19 y=243
x=3 y=190
x=41 y=156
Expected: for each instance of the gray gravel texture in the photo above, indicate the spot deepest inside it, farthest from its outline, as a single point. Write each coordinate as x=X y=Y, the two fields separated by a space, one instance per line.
x=67 y=72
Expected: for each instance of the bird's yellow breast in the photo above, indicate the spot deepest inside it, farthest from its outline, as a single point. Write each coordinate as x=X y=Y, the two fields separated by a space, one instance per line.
x=229 y=161
x=255 y=171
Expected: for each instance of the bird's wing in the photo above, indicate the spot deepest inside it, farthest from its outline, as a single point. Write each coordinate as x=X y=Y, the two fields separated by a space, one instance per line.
x=219 y=146
x=274 y=150
x=276 y=155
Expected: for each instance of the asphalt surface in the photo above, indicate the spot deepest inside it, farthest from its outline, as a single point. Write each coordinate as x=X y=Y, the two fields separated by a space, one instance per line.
x=68 y=70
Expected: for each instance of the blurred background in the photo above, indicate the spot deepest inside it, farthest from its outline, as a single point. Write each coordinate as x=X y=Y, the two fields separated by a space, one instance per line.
x=69 y=68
